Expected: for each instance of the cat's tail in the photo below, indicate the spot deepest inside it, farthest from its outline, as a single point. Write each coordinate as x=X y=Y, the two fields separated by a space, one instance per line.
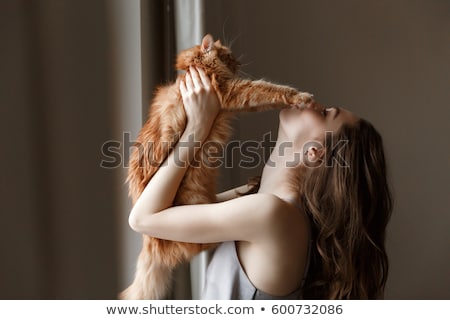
x=152 y=279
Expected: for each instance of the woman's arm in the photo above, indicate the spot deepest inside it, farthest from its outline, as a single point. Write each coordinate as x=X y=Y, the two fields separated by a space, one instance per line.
x=252 y=218
x=201 y=106
x=248 y=218
x=160 y=192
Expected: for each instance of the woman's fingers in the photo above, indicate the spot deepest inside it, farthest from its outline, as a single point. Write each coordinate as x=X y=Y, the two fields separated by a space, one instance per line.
x=195 y=78
x=196 y=83
x=183 y=89
x=204 y=78
x=189 y=82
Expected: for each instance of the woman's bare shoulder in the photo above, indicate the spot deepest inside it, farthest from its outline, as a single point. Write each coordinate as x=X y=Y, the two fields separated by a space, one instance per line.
x=271 y=213
x=260 y=202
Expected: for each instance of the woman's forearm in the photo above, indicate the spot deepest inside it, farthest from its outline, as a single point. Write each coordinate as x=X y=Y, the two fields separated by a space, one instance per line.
x=160 y=192
x=201 y=107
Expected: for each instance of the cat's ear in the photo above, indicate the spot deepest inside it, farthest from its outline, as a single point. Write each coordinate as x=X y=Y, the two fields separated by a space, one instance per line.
x=207 y=43
x=218 y=43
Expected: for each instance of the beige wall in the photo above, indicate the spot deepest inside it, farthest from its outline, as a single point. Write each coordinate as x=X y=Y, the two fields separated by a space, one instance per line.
x=387 y=61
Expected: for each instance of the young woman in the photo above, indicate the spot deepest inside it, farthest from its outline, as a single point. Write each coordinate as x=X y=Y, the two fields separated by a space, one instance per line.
x=316 y=226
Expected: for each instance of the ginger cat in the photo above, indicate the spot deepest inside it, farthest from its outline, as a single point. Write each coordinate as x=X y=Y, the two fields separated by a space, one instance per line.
x=166 y=121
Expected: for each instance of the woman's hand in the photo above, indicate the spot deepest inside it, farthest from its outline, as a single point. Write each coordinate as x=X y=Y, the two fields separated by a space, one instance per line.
x=200 y=103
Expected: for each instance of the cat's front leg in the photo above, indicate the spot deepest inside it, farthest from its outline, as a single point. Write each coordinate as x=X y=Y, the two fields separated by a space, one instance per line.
x=247 y=95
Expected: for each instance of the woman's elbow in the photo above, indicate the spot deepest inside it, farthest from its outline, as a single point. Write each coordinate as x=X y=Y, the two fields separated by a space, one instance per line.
x=135 y=221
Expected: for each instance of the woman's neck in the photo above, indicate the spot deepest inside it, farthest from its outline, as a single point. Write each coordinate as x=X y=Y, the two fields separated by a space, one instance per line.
x=281 y=173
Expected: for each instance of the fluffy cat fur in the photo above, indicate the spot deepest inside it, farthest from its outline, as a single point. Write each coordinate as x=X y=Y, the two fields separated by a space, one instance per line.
x=166 y=121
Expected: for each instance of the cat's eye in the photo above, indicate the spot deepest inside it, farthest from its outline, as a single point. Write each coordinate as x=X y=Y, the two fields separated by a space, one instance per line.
x=324 y=112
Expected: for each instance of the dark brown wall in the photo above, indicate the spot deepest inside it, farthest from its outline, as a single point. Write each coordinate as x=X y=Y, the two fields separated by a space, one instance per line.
x=387 y=61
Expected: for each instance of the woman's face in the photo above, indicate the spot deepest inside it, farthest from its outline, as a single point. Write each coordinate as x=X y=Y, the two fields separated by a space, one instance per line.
x=303 y=125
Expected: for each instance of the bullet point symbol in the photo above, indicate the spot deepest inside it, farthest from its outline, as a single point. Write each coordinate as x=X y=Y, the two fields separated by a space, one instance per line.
x=262 y=309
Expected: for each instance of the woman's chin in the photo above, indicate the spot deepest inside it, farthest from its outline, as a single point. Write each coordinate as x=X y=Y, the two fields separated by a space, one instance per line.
x=290 y=112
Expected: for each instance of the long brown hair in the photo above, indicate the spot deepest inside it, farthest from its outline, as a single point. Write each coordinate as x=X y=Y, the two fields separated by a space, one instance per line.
x=349 y=201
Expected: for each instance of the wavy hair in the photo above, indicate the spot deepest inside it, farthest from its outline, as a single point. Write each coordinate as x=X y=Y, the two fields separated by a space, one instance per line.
x=349 y=201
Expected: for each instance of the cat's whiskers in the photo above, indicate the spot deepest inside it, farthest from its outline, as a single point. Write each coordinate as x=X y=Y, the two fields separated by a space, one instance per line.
x=240 y=58
x=230 y=45
x=225 y=41
x=247 y=75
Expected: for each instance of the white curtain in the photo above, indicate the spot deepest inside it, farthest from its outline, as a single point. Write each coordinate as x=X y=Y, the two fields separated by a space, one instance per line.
x=125 y=23
x=189 y=23
x=189 y=31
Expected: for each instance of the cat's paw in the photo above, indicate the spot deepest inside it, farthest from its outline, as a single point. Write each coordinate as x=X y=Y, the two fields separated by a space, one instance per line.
x=302 y=100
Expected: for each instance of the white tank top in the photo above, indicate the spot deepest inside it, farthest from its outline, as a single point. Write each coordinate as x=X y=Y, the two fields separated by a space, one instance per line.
x=226 y=279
